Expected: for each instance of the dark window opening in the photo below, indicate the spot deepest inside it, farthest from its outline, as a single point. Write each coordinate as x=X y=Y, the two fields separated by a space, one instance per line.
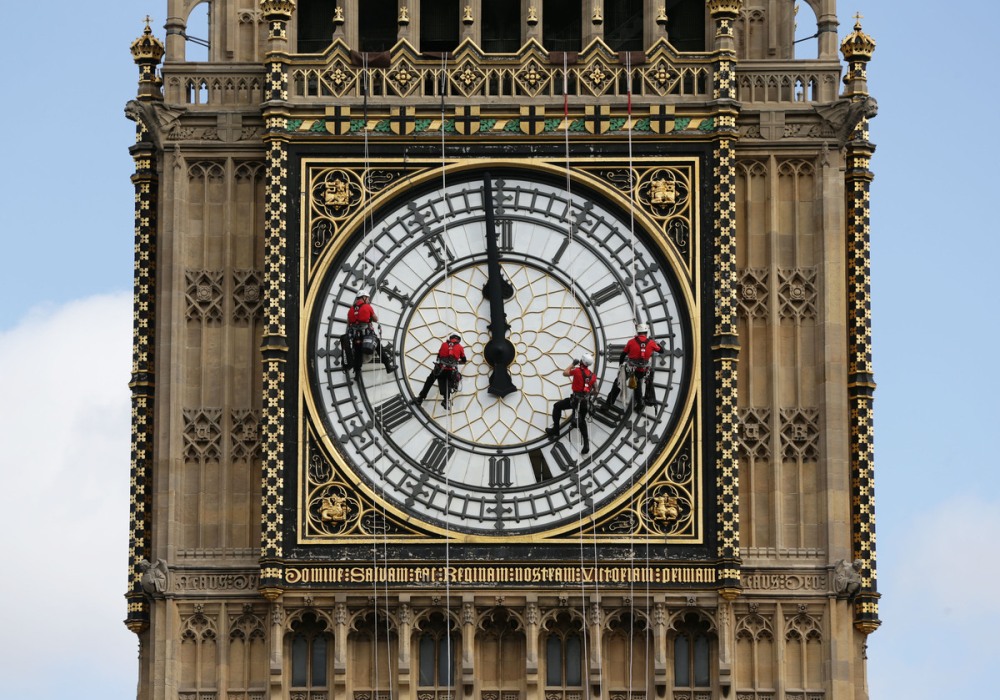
x=309 y=653
x=377 y=25
x=562 y=29
x=686 y=24
x=315 y=25
x=437 y=649
x=439 y=21
x=692 y=654
x=501 y=26
x=623 y=24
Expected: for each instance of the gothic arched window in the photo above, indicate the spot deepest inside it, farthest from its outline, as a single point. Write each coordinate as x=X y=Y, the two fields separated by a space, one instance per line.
x=311 y=651
x=437 y=647
x=563 y=655
x=692 y=654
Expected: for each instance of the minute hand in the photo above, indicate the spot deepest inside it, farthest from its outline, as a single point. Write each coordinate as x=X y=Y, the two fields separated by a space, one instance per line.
x=499 y=351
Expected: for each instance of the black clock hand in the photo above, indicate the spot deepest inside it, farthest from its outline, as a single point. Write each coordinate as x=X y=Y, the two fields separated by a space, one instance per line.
x=499 y=351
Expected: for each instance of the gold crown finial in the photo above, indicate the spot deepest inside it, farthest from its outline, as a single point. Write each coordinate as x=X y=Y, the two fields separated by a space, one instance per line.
x=857 y=45
x=147 y=47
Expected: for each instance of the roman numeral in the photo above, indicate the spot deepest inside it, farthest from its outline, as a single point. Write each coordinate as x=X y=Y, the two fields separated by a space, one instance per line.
x=499 y=471
x=394 y=293
x=613 y=351
x=611 y=416
x=392 y=413
x=606 y=294
x=436 y=457
x=505 y=235
x=559 y=253
x=562 y=457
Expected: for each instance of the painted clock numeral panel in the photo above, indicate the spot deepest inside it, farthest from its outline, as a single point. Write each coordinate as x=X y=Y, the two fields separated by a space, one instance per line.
x=485 y=466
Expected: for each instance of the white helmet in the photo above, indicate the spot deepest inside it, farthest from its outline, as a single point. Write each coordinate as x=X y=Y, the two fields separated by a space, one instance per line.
x=642 y=328
x=586 y=359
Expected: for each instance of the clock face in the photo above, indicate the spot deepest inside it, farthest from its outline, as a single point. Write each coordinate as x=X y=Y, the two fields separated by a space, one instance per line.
x=576 y=280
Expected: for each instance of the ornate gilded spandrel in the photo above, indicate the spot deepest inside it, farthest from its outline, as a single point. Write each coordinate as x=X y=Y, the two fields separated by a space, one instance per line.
x=668 y=506
x=667 y=195
x=337 y=196
x=335 y=511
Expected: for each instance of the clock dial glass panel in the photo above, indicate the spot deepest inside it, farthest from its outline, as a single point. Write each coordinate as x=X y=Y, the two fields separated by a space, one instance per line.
x=485 y=466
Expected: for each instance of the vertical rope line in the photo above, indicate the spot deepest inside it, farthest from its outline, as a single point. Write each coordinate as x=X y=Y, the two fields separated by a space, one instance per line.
x=448 y=387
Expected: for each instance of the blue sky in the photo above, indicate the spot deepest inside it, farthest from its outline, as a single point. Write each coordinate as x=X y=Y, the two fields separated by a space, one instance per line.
x=66 y=208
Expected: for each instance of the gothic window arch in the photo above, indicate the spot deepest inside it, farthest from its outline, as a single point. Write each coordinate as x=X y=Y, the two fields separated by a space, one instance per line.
x=198 y=33
x=628 y=657
x=564 y=657
x=309 y=651
x=694 y=651
x=803 y=652
x=373 y=645
x=247 y=655
x=438 y=644
x=199 y=656
x=755 y=658
x=501 y=652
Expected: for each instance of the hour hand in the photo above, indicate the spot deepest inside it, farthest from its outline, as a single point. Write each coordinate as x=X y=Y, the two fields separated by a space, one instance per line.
x=499 y=351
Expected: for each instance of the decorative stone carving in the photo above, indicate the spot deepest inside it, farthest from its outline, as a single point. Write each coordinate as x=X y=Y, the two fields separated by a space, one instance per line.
x=847 y=577
x=245 y=433
x=248 y=296
x=797 y=293
x=800 y=434
x=755 y=433
x=204 y=296
x=202 y=434
x=752 y=295
x=845 y=114
x=154 y=576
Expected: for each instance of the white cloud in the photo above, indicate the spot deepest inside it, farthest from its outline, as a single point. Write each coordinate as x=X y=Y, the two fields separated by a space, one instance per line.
x=64 y=423
x=940 y=612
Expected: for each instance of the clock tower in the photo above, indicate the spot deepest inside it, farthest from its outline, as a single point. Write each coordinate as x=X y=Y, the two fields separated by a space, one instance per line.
x=332 y=505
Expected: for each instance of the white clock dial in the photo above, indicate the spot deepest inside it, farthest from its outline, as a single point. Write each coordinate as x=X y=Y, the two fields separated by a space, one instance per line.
x=486 y=467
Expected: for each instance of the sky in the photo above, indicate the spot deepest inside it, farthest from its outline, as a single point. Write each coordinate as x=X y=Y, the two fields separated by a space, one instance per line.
x=65 y=338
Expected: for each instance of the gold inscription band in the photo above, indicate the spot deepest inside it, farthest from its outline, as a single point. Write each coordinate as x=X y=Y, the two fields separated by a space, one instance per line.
x=511 y=575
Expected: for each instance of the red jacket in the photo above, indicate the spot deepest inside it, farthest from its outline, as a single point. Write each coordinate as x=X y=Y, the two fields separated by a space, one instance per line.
x=639 y=349
x=583 y=379
x=361 y=312
x=451 y=350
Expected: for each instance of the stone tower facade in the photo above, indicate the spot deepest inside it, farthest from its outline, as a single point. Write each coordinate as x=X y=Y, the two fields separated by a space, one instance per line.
x=536 y=177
